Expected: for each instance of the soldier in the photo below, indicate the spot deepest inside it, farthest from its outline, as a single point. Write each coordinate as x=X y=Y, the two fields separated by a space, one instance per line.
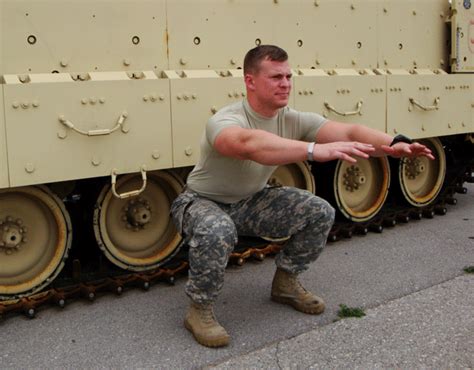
x=227 y=192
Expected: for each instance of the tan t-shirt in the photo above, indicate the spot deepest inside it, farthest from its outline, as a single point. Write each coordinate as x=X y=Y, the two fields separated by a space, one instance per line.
x=228 y=180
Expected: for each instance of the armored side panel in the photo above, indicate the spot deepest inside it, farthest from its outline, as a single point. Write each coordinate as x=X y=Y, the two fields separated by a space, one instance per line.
x=462 y=37
x=61 y=129
x=64 y=119
x=3 y=146
x=3 y=143
x=195 y=96
x=412 y=34
x=343 y=95
x=315 y=33
x=83 y=36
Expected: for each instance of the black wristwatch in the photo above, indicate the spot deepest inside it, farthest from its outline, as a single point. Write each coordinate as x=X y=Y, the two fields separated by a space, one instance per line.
x=401 y=139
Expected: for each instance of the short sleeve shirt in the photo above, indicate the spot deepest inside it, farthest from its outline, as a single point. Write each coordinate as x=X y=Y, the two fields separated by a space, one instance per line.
x=229 y=180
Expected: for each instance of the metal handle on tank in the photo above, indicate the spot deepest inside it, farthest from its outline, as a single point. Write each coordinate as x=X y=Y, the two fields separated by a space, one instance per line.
x=345 y=114
x=423 y=107
x=128 y=194
x=99 y=132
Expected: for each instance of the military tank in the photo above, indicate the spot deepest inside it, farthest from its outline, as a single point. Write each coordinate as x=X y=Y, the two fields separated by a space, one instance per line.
x=102 y=106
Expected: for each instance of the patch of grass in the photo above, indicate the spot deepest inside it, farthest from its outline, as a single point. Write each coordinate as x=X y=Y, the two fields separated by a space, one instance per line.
x=469 y=269
x=345 y=311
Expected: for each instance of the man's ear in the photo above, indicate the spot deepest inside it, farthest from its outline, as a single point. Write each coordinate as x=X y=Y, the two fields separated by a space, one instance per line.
x=249 y=82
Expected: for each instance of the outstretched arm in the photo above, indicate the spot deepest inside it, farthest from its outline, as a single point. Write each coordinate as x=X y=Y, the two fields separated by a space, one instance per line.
x=269 y=149
x=337 y=131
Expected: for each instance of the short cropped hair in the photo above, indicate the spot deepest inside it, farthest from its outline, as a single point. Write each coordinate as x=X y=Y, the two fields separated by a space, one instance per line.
x=255 y=56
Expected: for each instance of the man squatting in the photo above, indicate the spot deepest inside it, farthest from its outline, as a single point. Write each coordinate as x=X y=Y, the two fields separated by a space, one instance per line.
x=227 y=193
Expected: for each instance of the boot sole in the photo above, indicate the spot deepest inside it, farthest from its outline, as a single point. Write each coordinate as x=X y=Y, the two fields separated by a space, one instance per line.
x=316 y=310
x=208 y=342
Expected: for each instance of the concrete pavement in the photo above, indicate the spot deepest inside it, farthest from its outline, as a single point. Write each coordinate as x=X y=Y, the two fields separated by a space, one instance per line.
x=432 y=328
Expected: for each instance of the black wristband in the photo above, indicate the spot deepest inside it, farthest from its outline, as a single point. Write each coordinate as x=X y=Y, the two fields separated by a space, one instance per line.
x=401 y=139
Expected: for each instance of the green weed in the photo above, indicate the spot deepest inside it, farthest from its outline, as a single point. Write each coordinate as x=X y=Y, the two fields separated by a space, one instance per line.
x=350 y=311
x=469 y=269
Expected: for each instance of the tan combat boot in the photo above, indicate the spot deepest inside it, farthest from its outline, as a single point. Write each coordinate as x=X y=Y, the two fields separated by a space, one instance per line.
x=287 y=289
x=201 y=322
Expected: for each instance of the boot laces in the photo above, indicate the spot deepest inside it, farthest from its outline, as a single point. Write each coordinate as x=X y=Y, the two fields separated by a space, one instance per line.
x=297 y=285
x=207 y=315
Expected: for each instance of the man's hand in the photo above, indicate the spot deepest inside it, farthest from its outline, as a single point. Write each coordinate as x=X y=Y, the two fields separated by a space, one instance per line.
x=407 y=150
x=345 y=150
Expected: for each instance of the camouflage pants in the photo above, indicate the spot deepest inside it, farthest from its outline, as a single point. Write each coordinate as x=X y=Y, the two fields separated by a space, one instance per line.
x=211 y=229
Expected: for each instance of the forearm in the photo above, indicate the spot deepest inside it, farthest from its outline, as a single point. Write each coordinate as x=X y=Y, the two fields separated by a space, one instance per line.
x=269 y=149
x=368 y=135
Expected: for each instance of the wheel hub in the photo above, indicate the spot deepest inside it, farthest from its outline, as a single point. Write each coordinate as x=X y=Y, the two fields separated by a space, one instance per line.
x=12 y=235
x=414 y=167
x=137 y=214
x=354 y=178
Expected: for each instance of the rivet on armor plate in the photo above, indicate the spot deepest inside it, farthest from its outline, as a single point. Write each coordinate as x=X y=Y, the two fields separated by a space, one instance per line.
x=161 y=97
x=15 y=105
x=352 y=6
x=194 y=96
x=233 y=62
x=63 y=63
x=214 y=110
x=188 y=151
x=84 y=101
x=183 y=61
x=316 y=2
x=145 y=97
x=25 y=105
x=126 y=62
x=30 y=168
x=96 y=161
x=414 y=12
x=35 y=104
x=93 y=100
x=102 y=100
x=62 y=134
x=153 y=97
x=155 y=154
x=450 y=126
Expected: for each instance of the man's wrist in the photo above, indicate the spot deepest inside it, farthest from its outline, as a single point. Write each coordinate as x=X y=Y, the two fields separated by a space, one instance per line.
x=310 y=150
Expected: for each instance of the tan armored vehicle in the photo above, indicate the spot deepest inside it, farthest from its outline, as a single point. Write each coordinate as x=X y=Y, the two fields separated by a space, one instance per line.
x=102 y=105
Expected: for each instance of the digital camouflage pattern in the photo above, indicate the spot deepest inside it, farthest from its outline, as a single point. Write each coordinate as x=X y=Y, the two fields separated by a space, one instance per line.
x=211 y=230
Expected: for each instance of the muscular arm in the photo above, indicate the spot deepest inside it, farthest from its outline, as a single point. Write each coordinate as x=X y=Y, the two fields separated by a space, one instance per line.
x=269 y=149
x=337 y=131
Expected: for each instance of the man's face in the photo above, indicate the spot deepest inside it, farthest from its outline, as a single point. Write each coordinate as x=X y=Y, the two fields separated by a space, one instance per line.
x=271 y=85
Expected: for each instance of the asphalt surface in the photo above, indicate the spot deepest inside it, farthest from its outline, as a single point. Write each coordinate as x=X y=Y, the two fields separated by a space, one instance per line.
x=409 y=280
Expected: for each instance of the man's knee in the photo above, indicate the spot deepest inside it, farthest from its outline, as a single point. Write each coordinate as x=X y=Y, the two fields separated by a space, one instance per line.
x=212 y=228
x=321 y=211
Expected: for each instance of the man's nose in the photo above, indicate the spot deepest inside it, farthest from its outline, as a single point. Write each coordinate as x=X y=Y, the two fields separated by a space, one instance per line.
x=286 y=83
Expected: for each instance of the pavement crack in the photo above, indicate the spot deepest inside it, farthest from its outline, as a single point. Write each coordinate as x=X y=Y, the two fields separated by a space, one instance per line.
x=277 y=357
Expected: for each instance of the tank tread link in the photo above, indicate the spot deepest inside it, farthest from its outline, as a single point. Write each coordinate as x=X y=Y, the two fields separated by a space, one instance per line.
x=102 y=110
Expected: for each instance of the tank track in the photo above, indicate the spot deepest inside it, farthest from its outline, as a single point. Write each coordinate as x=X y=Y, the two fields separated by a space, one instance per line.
x=80 y=284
